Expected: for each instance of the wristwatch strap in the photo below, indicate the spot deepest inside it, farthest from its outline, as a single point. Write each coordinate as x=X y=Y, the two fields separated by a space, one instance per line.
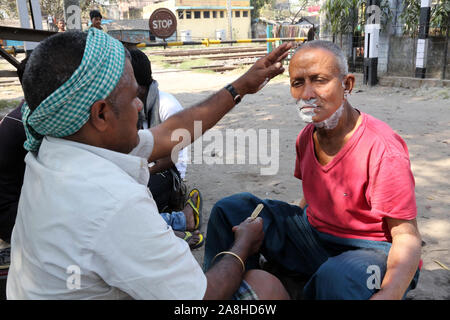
x=236 y=96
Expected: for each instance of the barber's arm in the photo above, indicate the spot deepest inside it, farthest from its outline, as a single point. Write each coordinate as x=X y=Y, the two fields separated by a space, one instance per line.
x=210 y=111
x=403 y=259
x=161 y=165
x=225 y=276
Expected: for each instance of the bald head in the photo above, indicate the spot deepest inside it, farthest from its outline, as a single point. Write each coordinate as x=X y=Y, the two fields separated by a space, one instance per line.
x=341 y=60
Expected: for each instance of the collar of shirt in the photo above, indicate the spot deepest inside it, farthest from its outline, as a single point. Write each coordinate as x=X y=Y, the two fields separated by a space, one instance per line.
x=134 y=165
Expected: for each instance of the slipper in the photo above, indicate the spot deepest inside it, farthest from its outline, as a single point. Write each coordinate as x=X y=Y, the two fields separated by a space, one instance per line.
x=196 y=208
x=188 y=235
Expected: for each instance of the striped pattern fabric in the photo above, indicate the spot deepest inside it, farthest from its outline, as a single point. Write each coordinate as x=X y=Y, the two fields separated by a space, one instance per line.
x=67 y=109
x=245 y=292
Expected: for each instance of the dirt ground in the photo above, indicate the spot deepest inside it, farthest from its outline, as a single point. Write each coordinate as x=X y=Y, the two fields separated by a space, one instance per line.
x=420 y=116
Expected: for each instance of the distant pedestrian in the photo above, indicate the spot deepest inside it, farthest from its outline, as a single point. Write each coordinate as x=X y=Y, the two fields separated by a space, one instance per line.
x=61 y=25
x=96 y=19
x=311 y=33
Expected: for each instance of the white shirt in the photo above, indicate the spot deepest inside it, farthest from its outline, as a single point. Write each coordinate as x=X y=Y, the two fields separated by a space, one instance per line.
x=168 y=106
x=88 y=228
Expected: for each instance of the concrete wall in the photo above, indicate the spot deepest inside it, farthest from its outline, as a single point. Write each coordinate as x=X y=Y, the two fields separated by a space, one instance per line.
x=402 y=54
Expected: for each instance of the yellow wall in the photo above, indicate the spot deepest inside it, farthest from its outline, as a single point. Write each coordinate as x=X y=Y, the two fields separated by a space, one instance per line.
x=206 y=27
x=193 y=3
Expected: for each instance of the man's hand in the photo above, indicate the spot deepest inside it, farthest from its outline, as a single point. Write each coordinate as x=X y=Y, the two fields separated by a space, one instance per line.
x=226 y=275
x=262 y=71
x=211 y=110
x=161 y=165
x=249 y=236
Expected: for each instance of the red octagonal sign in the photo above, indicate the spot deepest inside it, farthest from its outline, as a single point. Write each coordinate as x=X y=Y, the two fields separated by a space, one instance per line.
x=162 y=23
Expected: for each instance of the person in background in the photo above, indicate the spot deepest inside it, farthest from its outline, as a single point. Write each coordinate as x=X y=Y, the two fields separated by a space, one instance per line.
x=61 y=25
x=12 y=169
x=96 y=19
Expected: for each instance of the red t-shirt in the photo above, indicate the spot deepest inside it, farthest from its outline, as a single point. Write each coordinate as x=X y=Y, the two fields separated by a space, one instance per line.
x=369 y=178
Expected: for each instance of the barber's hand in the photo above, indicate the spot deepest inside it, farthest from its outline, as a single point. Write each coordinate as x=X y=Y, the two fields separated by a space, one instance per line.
x=262 y=71
x=249 y=235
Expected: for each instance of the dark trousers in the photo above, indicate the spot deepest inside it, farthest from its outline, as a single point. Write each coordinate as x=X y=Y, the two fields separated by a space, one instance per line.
x=337 y=268
x=7 y=220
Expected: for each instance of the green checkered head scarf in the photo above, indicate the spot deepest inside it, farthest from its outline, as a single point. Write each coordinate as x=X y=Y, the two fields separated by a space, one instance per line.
x=68 y=108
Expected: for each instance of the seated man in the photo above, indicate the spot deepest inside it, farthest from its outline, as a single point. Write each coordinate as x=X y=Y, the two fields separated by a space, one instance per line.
x=166 y=178
x=87 y=226
x=158 y=107
x=12 y=169
x=356 y=224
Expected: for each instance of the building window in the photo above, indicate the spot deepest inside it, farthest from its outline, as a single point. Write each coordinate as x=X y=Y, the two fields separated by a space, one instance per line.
x=180 y=14
x=221 y=14
x=206 y=14
x=197 y=14
x=188 y=14
x=214 y=14
x=245 y=14
x=237 y=14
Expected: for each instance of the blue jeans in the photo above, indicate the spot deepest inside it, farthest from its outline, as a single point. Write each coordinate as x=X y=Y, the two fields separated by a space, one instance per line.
x=176 y=219
x=337 y=268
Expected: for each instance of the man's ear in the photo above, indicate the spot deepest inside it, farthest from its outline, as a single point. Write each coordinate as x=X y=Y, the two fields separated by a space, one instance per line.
x=101 y=115
x=349 y=82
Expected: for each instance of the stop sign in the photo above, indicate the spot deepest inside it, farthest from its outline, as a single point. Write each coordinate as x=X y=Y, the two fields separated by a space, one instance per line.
x=162 y=23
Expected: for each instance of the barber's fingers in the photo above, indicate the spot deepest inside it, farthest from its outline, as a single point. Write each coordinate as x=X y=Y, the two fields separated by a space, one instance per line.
x=279 y=53
x=248 y=221
x=275 y=69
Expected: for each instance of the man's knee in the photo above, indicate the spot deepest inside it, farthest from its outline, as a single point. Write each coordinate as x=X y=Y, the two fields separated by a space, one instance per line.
x=230 y=204
x=266 y=285
x=354 y=275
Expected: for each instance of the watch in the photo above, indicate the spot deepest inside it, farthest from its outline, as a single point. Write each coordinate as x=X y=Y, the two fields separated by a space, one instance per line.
x=236 y=96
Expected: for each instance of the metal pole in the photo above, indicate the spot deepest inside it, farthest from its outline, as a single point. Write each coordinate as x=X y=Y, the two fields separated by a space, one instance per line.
x=371 y=39
x=72 y=14
x=422 y=42
x=230 y=28
x=444 y=69
x=32 y=14
x=210 y=42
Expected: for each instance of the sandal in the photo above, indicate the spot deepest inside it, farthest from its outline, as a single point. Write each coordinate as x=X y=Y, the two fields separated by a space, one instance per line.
x=188 y=236
x=196 y=208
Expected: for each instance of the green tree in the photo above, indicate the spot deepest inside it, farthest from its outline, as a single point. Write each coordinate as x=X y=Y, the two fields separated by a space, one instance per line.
x=257 y=6
x=348 y=16
x=7 y=9
x=301 y=5
x=54 y=8
x=410 y=16
x=439 y=16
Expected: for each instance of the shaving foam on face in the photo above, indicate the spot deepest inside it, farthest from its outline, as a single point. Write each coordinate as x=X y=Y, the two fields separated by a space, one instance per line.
x=306 y=109
x=306 y=112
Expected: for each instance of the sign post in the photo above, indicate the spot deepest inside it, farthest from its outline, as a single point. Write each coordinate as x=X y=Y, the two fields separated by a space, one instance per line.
x=162 y=23
x=24 y=16
x=422 y=42
x=371 y=39
x=72 y=14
